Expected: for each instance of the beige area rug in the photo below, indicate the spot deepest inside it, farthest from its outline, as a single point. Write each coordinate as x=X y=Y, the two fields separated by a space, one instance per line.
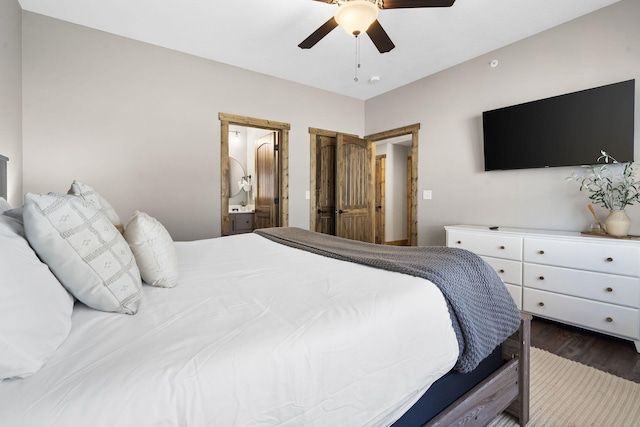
x=568 y=394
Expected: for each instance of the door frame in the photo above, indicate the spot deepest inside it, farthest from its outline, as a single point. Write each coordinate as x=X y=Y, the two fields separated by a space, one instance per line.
x=412 y=192
x=283 y=164
x=409 y=196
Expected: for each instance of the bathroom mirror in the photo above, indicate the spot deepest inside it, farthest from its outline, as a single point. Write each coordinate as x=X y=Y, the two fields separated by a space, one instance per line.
x=236 y=172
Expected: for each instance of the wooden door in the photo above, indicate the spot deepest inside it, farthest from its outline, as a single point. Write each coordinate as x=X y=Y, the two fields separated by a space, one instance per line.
x=355 y=188
x=325 y=184
x=380 y=194
x=266 y=202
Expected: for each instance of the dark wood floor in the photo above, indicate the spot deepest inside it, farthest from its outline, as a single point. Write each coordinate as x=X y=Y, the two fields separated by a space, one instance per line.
x=613 y=355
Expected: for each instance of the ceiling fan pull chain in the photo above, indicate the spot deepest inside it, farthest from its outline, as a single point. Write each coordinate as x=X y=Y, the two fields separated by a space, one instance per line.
x=355 y=79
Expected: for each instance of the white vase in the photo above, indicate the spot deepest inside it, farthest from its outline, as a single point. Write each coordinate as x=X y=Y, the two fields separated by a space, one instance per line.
x=617 y=223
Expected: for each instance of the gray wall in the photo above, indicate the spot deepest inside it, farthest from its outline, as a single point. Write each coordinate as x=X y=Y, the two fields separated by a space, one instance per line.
x=597 y=49
x=11 y=96
x=140 y=123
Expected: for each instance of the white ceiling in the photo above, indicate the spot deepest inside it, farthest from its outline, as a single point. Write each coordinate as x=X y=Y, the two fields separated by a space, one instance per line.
x=263 y=35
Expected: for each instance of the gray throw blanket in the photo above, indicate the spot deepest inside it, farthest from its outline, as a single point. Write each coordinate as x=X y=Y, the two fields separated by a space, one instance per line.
x=482 y=311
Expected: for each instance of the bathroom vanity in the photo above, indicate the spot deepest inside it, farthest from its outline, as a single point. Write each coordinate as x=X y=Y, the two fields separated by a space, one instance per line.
x=241 y=222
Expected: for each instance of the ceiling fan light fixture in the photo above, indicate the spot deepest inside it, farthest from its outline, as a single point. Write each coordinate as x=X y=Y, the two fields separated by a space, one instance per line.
x=355 y=16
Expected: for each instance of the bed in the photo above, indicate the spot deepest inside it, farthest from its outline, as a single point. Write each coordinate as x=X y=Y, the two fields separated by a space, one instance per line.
x=242 y=330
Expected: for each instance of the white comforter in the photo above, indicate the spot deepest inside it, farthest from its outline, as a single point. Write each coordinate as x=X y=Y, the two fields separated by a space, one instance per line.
x=255 y=334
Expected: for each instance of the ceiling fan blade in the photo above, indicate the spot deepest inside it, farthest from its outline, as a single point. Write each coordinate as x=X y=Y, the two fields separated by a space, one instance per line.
x=379 y=37
x=403 y=4
x=318 y=34
x=326 y=1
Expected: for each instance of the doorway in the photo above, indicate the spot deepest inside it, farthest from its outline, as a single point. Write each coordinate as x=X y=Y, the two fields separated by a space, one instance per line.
x=410 y=135
x=342 y=179
x=279 y=173
x=392 y=195
x=323 y=212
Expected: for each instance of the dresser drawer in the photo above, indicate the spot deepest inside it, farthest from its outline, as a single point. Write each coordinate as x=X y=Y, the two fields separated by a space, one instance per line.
x=509 y=271
x=608 y=288
x=516 y=294
x=498 y=246
x=613 y=259
x=611 y=319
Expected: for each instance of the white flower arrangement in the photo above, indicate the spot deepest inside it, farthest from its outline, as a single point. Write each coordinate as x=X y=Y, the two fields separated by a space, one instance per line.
x=611 y=185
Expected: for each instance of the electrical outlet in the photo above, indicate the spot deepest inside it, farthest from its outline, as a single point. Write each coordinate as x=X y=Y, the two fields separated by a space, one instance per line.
x=426 y=195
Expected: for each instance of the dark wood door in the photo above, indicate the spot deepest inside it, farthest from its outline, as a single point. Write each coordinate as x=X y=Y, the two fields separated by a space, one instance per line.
x=266 y=202
x=325 y=184
x=355 y=188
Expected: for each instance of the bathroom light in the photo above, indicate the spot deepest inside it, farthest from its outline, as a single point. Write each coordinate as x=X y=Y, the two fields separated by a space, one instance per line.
x=355 y=16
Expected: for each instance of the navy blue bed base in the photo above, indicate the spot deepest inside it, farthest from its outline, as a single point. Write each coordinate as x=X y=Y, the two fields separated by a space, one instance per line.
x=447 y=390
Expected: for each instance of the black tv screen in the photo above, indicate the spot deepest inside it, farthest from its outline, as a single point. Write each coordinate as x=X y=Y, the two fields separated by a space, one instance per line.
x=565 y=130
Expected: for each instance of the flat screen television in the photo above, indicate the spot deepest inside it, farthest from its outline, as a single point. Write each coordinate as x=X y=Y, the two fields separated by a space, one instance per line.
x=565 y=130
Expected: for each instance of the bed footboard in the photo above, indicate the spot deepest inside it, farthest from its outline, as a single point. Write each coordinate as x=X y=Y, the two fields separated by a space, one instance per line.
x=507 y=389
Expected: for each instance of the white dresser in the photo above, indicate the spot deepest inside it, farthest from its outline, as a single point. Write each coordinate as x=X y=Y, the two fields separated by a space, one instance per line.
x=587 y=281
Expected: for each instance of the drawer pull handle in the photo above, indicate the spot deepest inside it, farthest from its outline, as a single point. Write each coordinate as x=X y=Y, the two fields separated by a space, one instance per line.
x=609 y=319
x=609 y=289
x=541 y=278
x=501 y=247
x=609 y=259
x=459 y=242
x=501 y=271
x=541 y=304
x=541 y=252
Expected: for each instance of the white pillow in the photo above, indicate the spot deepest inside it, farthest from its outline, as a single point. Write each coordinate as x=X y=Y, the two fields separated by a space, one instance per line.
x=88 y=193
x=154 y=250
x=4 y=205
x=17 y=215
x=84 y=250
x=35 y=310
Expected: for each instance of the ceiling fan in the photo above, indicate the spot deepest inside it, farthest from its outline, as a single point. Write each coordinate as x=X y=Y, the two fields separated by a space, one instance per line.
x=358 y=16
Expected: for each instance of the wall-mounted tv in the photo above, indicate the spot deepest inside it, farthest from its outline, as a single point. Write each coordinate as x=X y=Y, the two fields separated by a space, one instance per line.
x=565 y=130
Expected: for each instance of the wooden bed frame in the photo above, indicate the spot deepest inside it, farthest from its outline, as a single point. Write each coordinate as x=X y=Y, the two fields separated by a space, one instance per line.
x=507 y=389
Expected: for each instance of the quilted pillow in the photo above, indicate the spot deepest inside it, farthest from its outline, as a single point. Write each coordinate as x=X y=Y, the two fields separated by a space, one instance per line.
x=84 y=250
x=35 y=310
x=88 y=193
x=154 y=250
